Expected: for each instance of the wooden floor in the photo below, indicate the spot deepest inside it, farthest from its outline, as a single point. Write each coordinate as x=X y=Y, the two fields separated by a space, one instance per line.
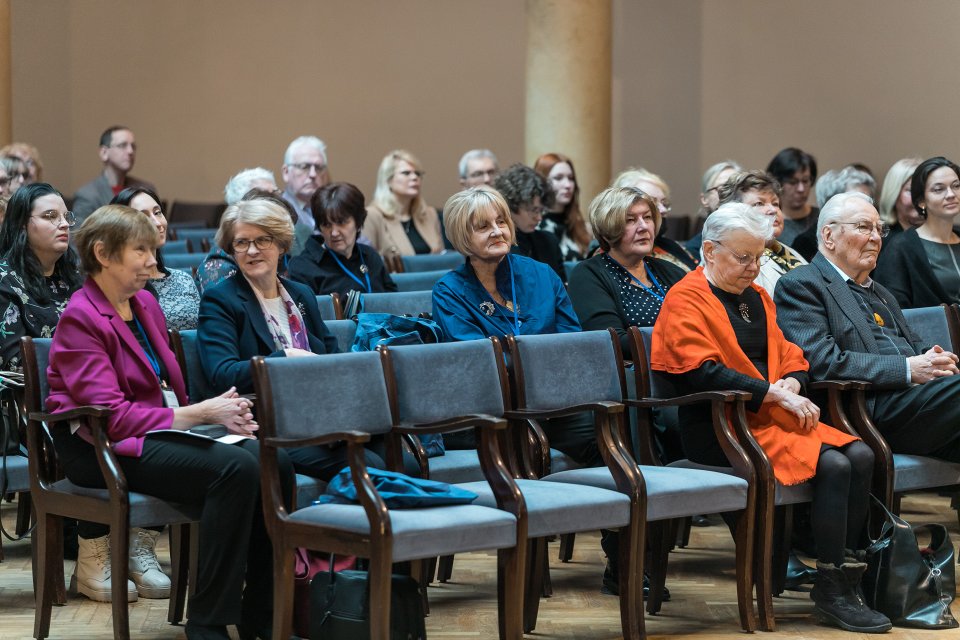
x=700 y=579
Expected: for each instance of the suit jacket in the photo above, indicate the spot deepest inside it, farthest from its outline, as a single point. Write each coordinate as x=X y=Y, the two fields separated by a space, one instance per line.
x=388 y=237
x=98 y=192
x=96 y=359
x=817 y=311
x=904 y=269
x=232 y=330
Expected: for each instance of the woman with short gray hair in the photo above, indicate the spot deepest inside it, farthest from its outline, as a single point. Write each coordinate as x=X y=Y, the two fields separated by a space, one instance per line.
x=718 y=330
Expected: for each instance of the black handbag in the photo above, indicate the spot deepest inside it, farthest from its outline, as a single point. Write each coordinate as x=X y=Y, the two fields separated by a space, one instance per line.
x=340 y=606
x=912 y=586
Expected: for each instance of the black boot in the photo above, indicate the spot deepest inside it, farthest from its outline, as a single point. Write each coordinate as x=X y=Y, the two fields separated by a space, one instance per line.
x=836 y=594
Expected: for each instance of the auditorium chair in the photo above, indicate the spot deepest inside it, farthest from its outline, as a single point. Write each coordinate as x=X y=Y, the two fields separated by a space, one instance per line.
x=418 y=280
x=344 y=331
x=399 y=303
x=207 y=213
x=431 y=262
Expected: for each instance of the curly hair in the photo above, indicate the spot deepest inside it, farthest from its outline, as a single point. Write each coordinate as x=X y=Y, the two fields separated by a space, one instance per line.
x=520 y=185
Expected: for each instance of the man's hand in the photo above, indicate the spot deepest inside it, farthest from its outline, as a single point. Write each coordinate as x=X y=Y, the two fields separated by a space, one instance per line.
x=935 y=363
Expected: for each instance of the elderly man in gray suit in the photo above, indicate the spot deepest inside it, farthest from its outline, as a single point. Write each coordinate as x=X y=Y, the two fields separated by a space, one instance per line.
x=118 y=152
x=851 y=328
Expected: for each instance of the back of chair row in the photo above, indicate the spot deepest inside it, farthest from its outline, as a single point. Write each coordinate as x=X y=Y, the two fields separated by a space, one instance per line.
x=399 y=303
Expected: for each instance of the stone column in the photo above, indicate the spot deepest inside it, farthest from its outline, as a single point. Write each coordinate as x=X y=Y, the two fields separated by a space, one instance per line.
x=6 y=80
x=569 y=58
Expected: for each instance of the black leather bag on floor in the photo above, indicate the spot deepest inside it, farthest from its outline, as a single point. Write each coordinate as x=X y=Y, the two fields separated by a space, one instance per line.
x=912 y=586
x=340 y=607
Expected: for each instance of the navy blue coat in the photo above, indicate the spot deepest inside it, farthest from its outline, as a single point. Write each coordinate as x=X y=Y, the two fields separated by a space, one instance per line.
x=232 y=330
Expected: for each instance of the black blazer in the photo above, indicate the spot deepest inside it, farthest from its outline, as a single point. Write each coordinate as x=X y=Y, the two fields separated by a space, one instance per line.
x=317 y=269
x=232 y=330
x=903 y=268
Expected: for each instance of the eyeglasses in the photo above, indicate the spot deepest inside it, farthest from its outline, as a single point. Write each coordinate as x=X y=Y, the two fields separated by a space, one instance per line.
x=489 y=173
x=243 y=245
x=941 y=189
x=123 y=145
x=746 y=260
x=866 y=228
x=54 y=217
x=304 y=167
x=664 y=205
x=406 y=173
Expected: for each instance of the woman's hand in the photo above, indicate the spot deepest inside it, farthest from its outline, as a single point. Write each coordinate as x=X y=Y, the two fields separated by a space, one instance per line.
x=297 y=353
x=801 y=408
x=230 y=410
x=790 y=384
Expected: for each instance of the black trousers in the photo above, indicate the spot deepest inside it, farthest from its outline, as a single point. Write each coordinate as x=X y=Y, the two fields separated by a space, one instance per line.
x=325 y=462
x=922 y=419
x=224 y=480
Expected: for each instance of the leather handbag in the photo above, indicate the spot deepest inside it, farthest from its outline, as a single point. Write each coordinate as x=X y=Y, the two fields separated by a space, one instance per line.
x=912 y=586
x=307 y=564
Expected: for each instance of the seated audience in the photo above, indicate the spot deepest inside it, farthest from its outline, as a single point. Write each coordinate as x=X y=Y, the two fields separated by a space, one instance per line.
x=851 y=328
x=718 y=330
x=399 y=222
x=564 y=219
x=5 y=182
x=762 y=192
x=650 y=183
x=526 y=192
x=16 y=173
x=111 y=349
x=850 y=178
x=896 y=204
x=38 y=269
x=713 y=177
x=796 y=171
x=920 y=266
x=29 y=155
x=174 y=289
x=477 y=167
x=334 y=262
x=118 y=152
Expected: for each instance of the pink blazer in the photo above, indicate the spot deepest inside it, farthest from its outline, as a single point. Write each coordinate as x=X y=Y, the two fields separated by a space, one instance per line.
x=96 y=359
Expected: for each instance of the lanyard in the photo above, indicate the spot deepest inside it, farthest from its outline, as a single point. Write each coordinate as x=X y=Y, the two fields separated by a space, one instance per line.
x=513 y=299
x=363 y=269
x=149 y=352
x=659 y=294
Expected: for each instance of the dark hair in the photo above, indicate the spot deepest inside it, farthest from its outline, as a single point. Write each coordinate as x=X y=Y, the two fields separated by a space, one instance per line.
x=336 y=202
x=576 y=225
x=106 y=138
x=918 y=185
x=126 y=196
x=740 y=183
x=15 y=247
x=789 y=161
x=520 y=184
x=263 y=194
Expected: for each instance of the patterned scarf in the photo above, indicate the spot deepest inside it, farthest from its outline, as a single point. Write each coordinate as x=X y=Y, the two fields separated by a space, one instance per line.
x=294 y=320
x=783 y=256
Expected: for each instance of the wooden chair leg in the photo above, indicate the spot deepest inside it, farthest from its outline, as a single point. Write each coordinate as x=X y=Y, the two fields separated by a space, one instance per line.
x=431 y=574
x=683 y=532
x=418 y=571
x=55 y=538
x=119 y=573
x=45 y=557
x=782 y=537
x=180 y=570
x=444 y=568
x=533 y=583
x=283 y=560
x=510 y=591
x=744 y=538
x=566 y=546
x=660 y=541
x=380 y=573
x=24 y=513
x=763 y=563
x=630 y=574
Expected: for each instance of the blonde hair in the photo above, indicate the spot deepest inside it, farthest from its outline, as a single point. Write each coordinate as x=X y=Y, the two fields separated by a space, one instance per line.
x=384 y=198
x=116 y=226
x=269 y=216
x=608 y=213
x=900 y=173
x=632 y=175
x=463 y=211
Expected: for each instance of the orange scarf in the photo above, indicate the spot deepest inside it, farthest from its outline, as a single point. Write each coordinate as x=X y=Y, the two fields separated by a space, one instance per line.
x=693 y=328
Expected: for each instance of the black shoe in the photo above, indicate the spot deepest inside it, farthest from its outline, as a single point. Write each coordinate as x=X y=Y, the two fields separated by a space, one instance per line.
x=205 y=632
x=798 y=574
x=838 y=601
x=255 y=632
x=700 y=521
x=611 y=585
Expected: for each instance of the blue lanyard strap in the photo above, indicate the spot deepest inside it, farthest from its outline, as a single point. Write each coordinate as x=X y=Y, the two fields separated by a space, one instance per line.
x=513 y=298
x=149 y=352
x=658 y=293
x=363 y=269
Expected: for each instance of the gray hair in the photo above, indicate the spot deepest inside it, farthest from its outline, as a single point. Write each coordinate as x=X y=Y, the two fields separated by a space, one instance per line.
x=711 y=173
x=835 y=209
x=736 y=216
x=847 y=179
x=475 y=154
x=240 y=184
x=305 y=141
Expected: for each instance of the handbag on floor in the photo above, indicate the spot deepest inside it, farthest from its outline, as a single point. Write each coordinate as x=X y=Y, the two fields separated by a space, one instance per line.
x=307 y=564
x=912 y=586
x=340 y=606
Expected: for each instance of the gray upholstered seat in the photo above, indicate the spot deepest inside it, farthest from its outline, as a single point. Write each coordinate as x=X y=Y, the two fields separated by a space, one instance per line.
x=920 y=472
x=399 y=303
x=18 y=474
x=432 y=261
x=418 y=280
x=328 y=307
x=308 y=490
x=456 y=465
x=344 y=331
x=145 y=510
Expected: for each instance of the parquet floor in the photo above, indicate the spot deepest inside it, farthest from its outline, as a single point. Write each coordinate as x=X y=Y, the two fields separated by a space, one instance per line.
x=700 y=579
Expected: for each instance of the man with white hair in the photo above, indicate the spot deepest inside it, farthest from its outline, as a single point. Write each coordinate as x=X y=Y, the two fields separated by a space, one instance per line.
x=478 y=166
x=240 y=184
x=851 y=328
x=304 y=171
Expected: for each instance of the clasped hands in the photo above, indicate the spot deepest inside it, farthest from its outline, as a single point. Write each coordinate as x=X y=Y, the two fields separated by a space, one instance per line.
x=785 y=392
x=935 y=363
x=232 y=411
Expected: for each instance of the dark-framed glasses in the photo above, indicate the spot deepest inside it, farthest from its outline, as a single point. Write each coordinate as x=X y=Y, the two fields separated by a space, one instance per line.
x=746 y=259
x=53 y=217
x=304 y=167
x=243 y=245
x=866 y=228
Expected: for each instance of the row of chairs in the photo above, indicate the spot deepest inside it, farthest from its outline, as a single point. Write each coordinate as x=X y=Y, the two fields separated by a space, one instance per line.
x=399 y=303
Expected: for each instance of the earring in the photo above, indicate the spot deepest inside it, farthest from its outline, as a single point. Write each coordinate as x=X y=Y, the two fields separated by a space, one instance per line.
x=923 y=210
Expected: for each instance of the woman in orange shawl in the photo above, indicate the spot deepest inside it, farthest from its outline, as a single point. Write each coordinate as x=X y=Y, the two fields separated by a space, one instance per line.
x=718 y=330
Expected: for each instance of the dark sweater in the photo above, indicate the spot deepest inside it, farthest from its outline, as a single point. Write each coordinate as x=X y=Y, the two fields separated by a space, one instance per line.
x=903 y=268
x=542 y=246
x=318 y=269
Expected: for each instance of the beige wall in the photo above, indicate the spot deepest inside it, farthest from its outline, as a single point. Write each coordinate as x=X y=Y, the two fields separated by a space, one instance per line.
x=211 y=87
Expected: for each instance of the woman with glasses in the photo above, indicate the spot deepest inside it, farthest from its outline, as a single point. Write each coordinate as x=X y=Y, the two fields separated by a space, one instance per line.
x=175 y=290
x=921 y=266
x=564 y=218
x=718 y=330
x=762 y=192
x=650 y=183
x=399 y=222
x=16 y=171
x=38 y=269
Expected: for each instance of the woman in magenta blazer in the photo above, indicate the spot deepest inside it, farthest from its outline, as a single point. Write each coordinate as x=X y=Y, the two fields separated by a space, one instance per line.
x=111 y=349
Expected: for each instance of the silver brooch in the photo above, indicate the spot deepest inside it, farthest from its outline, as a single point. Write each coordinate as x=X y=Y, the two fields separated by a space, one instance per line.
x=487 y=308
x=363 y=268
x=744 y=312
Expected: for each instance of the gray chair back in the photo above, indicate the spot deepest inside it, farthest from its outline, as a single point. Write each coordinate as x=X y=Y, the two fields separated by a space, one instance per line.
x=440 y=381
x=343 y=331
x=565 y=369
x=932 y=325
x=177 y=260
x=352 y=385
x=401 y=303
x=175 y=246
x=328 y=310
x=432 y=261
x=198 y=387
x=660 y=384
x=418 y=280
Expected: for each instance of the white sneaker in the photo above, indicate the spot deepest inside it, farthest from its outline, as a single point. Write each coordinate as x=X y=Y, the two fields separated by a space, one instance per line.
x=145 y=569
x=91 y=576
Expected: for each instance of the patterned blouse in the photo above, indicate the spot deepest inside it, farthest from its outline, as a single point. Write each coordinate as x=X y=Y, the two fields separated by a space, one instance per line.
x=23 y=316
x=179 y=299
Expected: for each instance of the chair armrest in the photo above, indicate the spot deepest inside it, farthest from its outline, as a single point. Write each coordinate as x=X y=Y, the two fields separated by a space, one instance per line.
x=358 y=437
x=692 y=398
x=841 y=385
x=604 y=406
x=89 y=411
x=462 y=422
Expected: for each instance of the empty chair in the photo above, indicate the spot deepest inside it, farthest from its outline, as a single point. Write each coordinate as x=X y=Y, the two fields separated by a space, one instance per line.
x=186 y=212
x=330 y=308
x=432 y=261
x=418 y=280
x=406 y=303
x=176 y=246
x=292 y=414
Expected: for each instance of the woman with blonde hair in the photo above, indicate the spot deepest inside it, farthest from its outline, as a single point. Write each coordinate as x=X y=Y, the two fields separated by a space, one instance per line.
x=399 y=222
x=896 y=205
x=565 y=219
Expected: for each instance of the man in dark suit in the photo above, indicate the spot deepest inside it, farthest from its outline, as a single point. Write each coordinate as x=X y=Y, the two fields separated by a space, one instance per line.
x=851 y=328
x=118 y=152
